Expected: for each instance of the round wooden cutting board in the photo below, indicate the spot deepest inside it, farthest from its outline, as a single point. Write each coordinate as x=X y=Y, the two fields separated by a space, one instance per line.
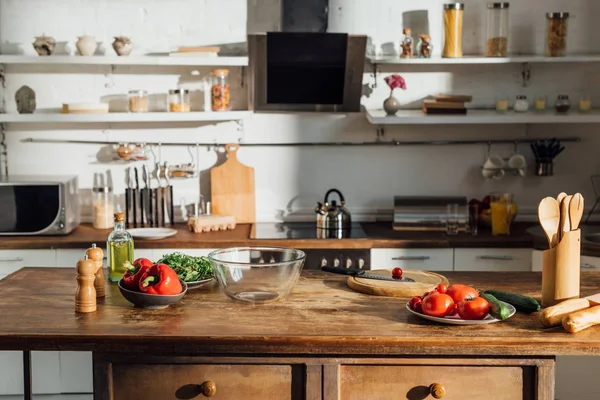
x=424 y=282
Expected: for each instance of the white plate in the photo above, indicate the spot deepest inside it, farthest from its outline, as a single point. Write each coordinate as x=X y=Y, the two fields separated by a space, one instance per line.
x=456 y=320
x=151 y=233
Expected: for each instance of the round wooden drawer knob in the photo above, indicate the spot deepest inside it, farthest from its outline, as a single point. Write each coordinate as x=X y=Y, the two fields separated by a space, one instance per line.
x=208 y=388
x=437 y=390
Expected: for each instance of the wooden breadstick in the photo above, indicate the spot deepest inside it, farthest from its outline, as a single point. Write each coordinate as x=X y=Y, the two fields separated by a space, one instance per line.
x=97 y=255
x=85 y=297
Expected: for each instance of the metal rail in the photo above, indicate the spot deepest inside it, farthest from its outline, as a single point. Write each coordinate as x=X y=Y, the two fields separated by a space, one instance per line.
x=377 y=143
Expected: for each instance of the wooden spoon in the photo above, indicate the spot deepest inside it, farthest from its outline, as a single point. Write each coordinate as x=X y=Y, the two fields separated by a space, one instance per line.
x=549 y=215
x=561 y=196
x=565 y=220
x=576 y=210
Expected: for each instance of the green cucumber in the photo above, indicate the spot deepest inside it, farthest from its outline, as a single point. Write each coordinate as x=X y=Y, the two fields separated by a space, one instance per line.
x=497 y=308
x=520 y=302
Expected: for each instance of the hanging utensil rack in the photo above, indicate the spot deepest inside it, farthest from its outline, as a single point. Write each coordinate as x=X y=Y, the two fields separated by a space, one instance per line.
x=376 y=143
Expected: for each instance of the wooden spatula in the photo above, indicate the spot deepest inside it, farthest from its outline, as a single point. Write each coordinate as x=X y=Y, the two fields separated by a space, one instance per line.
x=549 y=215
x=561 y=197
x=576 y=210
x=565 y=221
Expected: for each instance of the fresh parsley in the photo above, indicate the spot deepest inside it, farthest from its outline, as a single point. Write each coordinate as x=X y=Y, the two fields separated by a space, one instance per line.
x=188 y=268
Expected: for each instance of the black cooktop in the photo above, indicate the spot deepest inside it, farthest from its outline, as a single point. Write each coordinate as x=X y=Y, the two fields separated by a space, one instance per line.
x=304 y=230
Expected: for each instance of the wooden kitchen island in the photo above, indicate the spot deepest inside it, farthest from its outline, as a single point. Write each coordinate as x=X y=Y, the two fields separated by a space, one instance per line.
x=323 y=342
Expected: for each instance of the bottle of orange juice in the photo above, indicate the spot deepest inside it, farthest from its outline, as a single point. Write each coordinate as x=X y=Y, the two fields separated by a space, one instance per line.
x=502 y=212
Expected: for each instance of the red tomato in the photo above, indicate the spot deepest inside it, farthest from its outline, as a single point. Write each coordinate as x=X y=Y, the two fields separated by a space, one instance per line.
x=460 y=292
x=476 y=308
x=416 y=304
x=437 y=304
x=442 y=288
x=454 y=310
x=397 y=273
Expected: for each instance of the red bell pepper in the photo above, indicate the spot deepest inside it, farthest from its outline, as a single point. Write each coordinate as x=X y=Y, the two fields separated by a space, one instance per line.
x=160 y=279
x=131 y=278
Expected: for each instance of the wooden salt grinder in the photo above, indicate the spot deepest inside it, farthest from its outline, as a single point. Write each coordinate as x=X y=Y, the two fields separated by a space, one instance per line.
x=85 y=297
x=97 y=255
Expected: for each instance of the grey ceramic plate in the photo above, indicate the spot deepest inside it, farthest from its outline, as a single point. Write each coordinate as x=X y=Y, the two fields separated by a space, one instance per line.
x=152 y=301
x=456 y=320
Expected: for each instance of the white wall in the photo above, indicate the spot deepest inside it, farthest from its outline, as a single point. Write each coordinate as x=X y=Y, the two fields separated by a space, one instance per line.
x=291 y=180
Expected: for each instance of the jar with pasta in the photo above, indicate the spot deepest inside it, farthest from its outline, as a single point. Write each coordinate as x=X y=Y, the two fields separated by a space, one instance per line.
x=138 y=101
x=103 y=207
x=453 y=30
x=556 y=34
x=179 y=100
x=220 y=93
x=496 y=43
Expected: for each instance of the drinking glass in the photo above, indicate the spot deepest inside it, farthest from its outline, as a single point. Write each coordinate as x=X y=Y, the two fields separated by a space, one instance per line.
x=473 y=221
x=452 y=217
x=501 y=206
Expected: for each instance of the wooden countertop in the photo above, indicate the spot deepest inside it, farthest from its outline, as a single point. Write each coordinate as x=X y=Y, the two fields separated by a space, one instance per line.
x=322 y=316
x=380 y=235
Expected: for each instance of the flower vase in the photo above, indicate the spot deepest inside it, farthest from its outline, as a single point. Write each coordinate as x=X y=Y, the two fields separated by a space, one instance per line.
x=391 y=105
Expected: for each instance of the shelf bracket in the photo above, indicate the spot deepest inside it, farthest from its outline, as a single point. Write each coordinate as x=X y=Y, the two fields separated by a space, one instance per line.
x=3 y=149
x=243 y=77
x=525 y=74
x=374 y=74
x=2 y=92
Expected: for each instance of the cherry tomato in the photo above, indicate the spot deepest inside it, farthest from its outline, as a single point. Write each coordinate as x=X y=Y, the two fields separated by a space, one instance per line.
x=416 y=304
x=437 y=304
x=460 y=292
x=476 y=308
x=397 y=273
x=442 y=288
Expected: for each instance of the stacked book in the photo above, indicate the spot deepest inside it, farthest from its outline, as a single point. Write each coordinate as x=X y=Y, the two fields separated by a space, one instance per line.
x=447 y=104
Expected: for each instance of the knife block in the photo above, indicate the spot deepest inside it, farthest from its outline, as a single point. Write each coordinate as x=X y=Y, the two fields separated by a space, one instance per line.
x=561 y=270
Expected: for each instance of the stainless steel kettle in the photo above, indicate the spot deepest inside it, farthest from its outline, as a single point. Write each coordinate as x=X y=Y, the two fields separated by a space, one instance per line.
x=332 y=216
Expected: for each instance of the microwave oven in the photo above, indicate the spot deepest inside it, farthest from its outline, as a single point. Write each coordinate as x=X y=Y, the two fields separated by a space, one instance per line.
x=38 y=205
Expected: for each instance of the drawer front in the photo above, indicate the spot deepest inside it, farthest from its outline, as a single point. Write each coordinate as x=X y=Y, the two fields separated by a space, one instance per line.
x=421 y=259
x=492 y=259
x=160 y=382
x=69 y=257
x=413 y=382
x=13 y=260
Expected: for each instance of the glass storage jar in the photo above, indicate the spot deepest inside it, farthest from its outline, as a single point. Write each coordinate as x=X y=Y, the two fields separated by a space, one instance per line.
x=220 y=93
x=138 y=101
x=563 y=104
x=556 y=34
x=453 y=29
x=179 y=100
x=103 y=207
x=407 y=44
x=496 y=43
x=425 y=48
x=521 y=103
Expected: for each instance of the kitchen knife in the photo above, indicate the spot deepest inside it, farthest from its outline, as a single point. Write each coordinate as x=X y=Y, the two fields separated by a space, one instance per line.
x=363 y=274
x=135 y=195
x=142 y=193
x=128 y=197
x=148 y=195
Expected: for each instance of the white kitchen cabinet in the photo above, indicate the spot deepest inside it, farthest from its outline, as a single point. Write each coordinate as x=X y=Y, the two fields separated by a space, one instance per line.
x=588 y=263
x=492 y=259
x=69 y=257
x=76 y=372
x=421 y=259
x=13 y=260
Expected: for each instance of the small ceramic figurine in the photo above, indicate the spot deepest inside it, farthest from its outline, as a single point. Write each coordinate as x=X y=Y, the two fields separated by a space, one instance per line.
x=44 y=45
x=86 y=45
x=25 y=98
x=122 y=45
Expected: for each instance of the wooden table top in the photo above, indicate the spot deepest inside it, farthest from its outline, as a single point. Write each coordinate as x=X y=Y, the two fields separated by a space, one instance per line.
x=322 y=316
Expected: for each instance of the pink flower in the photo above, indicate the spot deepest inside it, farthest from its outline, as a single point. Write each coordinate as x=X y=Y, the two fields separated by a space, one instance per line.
x=395 y=81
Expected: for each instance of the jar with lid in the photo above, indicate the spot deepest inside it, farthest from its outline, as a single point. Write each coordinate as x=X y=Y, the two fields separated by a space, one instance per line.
x=220 y=94
x=556 y=34
x=407 y=44
x=521 y=103
x=453 y=30
x=179 y=100
x=496 y=43
x=103 y=206
x=563 y=104
x=424 y=48
x=138 y=101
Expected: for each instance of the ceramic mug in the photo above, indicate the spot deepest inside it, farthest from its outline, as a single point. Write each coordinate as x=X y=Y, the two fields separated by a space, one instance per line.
x=493 y=167
x=518 y=162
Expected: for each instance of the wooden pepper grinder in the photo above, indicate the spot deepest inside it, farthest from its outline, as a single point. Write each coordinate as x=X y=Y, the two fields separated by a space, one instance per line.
x=97 y=255
x=85 y=297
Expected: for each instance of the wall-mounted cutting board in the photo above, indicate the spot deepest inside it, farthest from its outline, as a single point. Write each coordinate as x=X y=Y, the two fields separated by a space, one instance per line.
x=232 y=188
x=424 y=281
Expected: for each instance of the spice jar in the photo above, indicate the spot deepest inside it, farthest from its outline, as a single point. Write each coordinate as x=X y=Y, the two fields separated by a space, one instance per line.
x=453 y=28
x=496 y=43
x=501 y=104
x=585 y=104
x=407 y=44
x=563 y=104
x=556 y=34
x=540 y=103
x=138 y=101
x=220 y=94
x=103 y=206
x=521 y=104
x=179 y=100
x=425 y=47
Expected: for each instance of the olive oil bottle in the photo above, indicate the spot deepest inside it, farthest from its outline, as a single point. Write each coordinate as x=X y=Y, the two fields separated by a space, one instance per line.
x=119 y=247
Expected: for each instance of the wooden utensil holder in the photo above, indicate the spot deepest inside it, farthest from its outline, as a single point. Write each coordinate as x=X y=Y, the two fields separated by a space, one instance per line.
x=561 y=270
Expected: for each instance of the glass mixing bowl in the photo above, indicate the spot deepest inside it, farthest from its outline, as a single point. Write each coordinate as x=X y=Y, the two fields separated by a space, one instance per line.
x=257 y=274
